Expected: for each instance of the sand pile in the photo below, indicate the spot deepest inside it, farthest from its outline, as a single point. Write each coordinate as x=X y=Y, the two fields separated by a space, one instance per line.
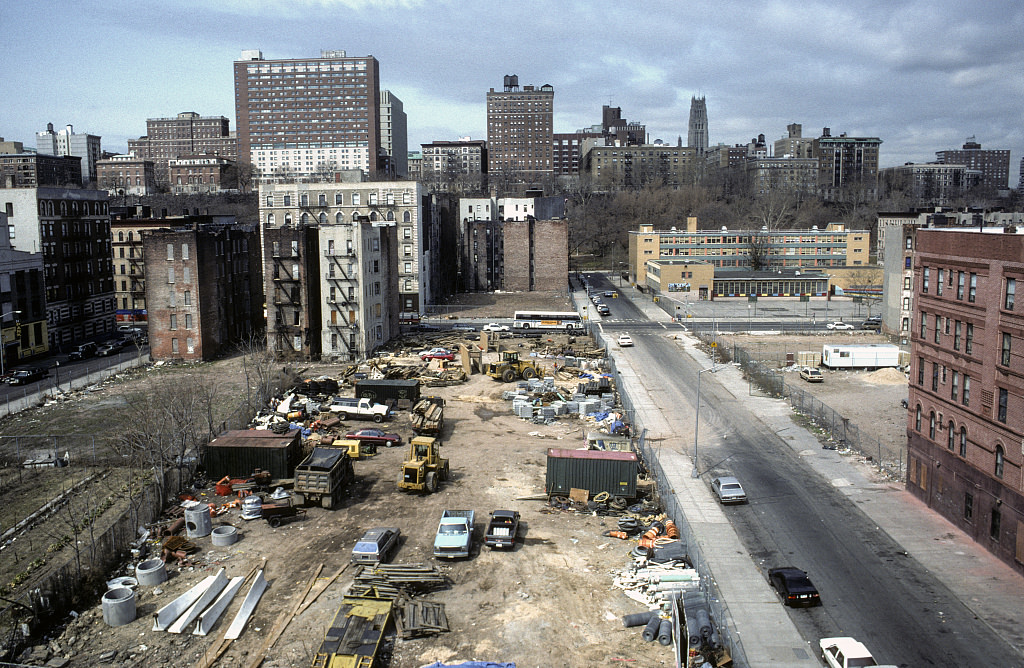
x=888 y=376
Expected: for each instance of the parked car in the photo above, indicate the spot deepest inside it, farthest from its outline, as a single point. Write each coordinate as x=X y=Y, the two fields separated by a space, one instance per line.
x=377 y=546
x=107 y=349
x=609 y=293
x=423 y=327
x=794 y=586
x=26 y=376
x=375 y=436
x=811 y=375
x=603 y=309
x=846 y=653
x=625 y=340
x=874 y=322
x=84 y=351
x=437 y=354
x=839 y=324
x=129 y=329
x=728 y=490
x=496 y=327
x=463 y=327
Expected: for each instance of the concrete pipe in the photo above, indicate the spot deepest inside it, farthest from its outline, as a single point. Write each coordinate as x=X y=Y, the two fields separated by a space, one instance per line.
x=151 y=572
x=224 y=535
x=197 y=521
x=118 y=606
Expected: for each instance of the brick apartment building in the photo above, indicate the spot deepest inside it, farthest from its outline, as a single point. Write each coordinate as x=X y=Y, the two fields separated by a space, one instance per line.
x=520 y=122
x=966 y=406
x=126 y=174
x=206 y=174
x=204 y=289
x=188 y=133
x=35 y=170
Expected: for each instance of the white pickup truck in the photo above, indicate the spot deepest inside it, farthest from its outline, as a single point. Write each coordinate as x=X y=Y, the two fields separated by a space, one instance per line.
x=359 y=408
x=847 y=653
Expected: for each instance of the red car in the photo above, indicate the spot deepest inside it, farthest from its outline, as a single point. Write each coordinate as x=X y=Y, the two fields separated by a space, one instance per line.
x=437 y=354
x=371 y=435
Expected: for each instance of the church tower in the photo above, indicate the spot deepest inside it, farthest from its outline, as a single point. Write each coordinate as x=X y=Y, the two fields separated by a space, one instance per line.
x=698 y=136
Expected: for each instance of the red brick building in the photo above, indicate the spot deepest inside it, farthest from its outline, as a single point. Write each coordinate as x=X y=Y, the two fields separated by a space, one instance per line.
x=202 y=174
x=536 y=254
x=966 y=417
x=126 y=175
x=204 y=289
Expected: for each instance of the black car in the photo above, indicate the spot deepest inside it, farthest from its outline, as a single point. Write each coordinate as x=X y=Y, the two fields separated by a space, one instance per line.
x=26 y=376
x=83 y=351
x=794 y=586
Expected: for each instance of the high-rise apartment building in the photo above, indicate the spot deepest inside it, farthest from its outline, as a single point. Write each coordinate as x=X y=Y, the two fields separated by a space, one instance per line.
x=69 y=142
x=697 y=136
x=520 y=127
x=188 y=133
x=299 y=117
x=847 y=164
x=794 y=144
x=965 y=422
x=394 y=135
x=994 y=164
x=457 y=165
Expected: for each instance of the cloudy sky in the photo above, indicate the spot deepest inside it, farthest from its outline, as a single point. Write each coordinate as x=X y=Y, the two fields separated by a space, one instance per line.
x=922 y=75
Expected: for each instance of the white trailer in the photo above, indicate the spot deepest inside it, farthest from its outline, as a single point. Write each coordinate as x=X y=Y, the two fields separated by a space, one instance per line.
x=860 y=356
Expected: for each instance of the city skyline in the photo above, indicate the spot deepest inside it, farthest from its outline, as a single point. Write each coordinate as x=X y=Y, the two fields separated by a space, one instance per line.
x=923 y=77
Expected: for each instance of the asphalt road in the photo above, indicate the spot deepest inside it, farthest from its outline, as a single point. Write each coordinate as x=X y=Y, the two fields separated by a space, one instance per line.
x=870 y=589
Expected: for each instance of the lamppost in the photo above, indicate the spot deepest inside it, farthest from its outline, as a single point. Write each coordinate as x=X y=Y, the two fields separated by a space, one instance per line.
x=696 y=422
x=748 y=318
x=3 y=345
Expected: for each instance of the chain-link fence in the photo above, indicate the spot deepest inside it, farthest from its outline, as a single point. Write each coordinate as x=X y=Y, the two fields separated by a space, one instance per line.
x=649 y=460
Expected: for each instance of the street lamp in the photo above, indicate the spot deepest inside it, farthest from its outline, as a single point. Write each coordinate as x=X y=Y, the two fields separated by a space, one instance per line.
x=3 y=345
x=696 y=422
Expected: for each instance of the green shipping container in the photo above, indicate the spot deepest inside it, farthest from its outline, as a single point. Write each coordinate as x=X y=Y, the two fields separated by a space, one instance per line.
x=238 y=454
x=384 y=389
x=593 y=470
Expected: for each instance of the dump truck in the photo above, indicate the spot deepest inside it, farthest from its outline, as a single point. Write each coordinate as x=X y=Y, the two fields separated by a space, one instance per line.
x=424 y=469
x=324 y=476
x=428 y=416
x=454 y=534
x=502 y=529
x=510 y=368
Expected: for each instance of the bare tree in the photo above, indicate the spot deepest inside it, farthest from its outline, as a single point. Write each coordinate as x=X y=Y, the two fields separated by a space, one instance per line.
x=760 y=250
x=261 y=378
x=775 y=209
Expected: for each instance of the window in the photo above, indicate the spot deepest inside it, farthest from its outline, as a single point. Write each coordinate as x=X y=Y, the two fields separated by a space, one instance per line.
x=338 y=200
x=966 y=399
x=951 y=436
x=917 y=418
x=190 y=345
x=993 y=527
x=955 y=386
x=170 y=274
x=910 y=243
x=959 y=285
x=355 y=199
x=1005 y=356
x=906 y=283
x=270 y=200
x=1000 y=461
x=373 y=199
x=906 y=263
x=969 y=338
x=938 y=328
x=186 y=274
x=188 y=298
x=938 y=282
x=170 y=251
x=956 y=336
x=174 y=321
x=968 y=506
x=303 y=199
x=188 y=321
x=963 y=441
x=935 y=376
x=184 y=251
x=287 y=200
x=1004 y=396
x=905 y=325
x=174 y=346
x=407 y=233
x=926 y=279
x=972 y=290
x=321 y=200
x=1011 y=290
x=931 y=425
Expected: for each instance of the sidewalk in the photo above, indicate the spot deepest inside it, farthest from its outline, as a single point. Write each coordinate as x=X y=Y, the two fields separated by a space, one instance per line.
x=984 y=584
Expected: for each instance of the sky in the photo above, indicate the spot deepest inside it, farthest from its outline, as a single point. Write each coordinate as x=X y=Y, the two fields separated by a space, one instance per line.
x=922 y=76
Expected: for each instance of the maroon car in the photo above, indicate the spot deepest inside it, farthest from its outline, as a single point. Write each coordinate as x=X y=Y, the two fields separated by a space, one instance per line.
x=371 y=435
x=437 y=354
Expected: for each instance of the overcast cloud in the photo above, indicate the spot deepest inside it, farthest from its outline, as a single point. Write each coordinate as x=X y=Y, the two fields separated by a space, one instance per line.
x=922 y=76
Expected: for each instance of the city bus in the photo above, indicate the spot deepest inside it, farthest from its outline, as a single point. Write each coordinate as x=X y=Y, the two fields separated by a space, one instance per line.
x=567 y=320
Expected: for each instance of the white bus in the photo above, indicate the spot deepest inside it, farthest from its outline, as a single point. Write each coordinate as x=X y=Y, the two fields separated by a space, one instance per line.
x=567 y=320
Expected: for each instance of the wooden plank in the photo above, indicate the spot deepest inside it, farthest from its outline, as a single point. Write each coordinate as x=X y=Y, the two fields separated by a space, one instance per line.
x=283 y=621
x=322 y=589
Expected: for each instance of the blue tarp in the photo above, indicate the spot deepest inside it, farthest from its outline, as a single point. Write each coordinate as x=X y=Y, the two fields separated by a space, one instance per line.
x=598 y=416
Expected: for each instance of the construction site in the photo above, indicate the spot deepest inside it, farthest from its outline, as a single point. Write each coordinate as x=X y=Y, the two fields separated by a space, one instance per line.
x=251 y=563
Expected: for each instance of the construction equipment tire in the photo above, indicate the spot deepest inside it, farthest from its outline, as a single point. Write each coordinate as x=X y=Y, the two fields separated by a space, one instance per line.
x=529 y=373
x=508 y=375
x=431 y=482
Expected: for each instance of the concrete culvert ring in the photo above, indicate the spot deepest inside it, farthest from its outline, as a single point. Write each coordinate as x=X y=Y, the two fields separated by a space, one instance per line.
x=118 y=606
x=151 y=572
x=224 y=535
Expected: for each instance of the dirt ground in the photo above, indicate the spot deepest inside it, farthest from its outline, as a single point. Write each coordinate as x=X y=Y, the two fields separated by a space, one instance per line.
x=552 y=592
x=869 y=399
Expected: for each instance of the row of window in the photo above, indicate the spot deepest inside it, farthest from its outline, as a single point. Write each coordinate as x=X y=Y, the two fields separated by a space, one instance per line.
x=339 y=199
x=339 y=218
x=956 y=440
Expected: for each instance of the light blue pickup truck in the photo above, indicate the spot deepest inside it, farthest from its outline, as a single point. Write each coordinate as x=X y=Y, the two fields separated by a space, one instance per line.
x=454 y=534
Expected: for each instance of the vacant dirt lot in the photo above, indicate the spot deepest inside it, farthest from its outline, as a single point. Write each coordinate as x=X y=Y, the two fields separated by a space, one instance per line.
x=869 y=399
x=549 y=602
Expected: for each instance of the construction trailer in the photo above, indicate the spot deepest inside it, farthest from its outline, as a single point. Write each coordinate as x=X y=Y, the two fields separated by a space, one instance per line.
x=593 y=470
x=239 y=453
x=860 y=356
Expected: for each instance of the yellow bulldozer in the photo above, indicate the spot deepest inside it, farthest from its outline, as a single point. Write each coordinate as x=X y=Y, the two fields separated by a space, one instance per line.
x=510 y=368
x=425 y=468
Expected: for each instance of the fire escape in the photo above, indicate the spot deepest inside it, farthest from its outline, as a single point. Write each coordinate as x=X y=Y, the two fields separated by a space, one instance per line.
x=287 y=302
x=343 y=296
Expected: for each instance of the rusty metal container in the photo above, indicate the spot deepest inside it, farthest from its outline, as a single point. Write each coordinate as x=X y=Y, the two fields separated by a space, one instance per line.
x=593 y=470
